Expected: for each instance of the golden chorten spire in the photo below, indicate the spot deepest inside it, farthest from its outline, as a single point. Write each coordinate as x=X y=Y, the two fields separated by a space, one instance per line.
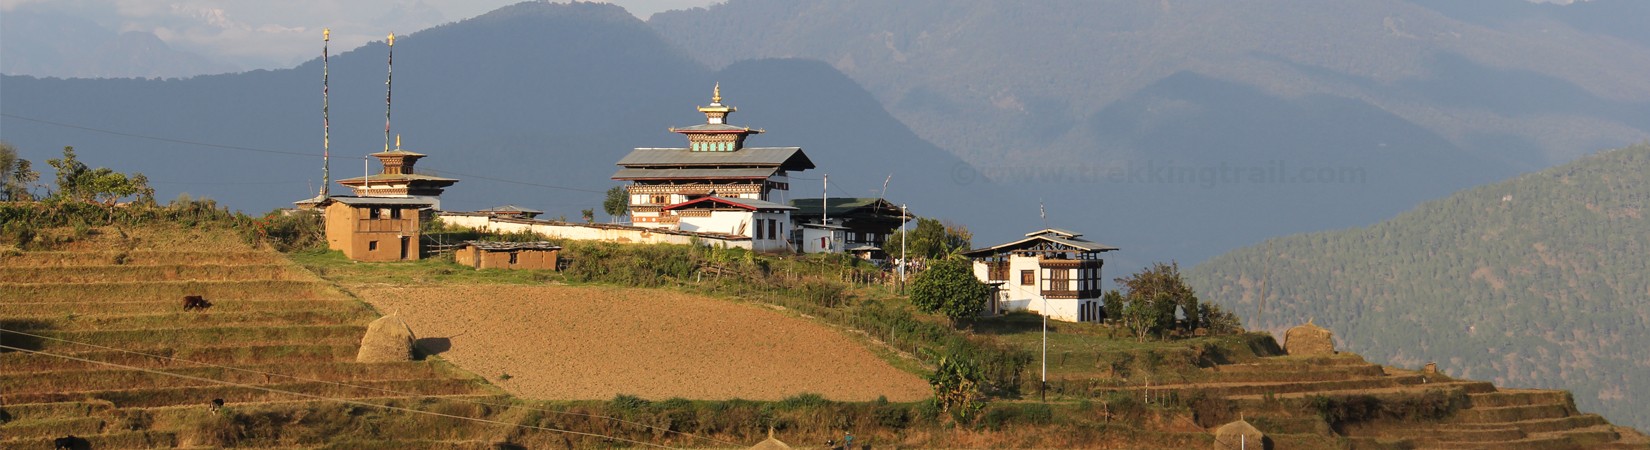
x=716 y=93
x=392 y=39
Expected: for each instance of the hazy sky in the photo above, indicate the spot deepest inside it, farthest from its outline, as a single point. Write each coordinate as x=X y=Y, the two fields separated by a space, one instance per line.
x=264 y=34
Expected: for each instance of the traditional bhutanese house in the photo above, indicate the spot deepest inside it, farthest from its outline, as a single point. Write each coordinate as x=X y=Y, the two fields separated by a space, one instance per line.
x=508 y=255
x=374 y=228
x=765 y=223
x=398 y=178
x=1052 y=272
x=865 y=224
x=511 y=211
x=716 y=163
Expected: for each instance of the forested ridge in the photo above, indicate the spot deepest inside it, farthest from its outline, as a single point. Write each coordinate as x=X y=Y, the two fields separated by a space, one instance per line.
x=1537 y=281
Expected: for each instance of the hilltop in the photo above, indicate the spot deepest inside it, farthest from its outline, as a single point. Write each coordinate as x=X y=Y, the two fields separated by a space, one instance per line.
x=1539 y=280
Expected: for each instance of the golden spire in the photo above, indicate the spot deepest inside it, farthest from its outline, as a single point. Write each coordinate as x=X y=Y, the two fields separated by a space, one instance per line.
x=326 y=34
x=716 y=93
x=397 y=141
x=392 y=39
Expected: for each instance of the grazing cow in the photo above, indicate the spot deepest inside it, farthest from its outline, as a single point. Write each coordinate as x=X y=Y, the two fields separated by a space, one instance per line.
x=195 y=302
x=215 y=405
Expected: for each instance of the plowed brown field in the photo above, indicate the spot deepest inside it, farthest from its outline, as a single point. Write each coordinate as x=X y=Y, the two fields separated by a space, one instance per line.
x=563 y=342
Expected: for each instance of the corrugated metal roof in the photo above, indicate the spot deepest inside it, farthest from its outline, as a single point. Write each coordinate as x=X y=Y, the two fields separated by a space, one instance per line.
x=380 y=177
x=1055 y=231
x=759 y=205
x=1073 y=242
x=838 y=206
x=353 y=201
x=512 y=208
x=715 y=128
x=502 y=246
x=670 y=174
x=788 y=158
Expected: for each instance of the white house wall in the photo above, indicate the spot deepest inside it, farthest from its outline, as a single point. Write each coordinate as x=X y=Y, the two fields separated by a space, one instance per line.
x=1015 y=296
x=585 y=232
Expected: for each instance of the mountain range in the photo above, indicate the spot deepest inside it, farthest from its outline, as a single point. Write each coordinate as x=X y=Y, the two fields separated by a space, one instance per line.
x=531 y=104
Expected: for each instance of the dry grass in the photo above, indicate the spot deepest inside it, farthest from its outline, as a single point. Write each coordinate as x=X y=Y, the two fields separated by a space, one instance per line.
x=137 y=258
x=561 y=342
x=164 y=290
x=173 y=272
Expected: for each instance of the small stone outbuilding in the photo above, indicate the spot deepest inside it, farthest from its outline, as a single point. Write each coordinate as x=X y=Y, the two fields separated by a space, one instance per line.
x=1240 y=435
x=508 y=255
x=1309 y=339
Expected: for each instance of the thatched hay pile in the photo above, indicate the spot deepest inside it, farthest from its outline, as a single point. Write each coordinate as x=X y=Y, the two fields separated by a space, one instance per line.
x=1309 y=339
x=1239 y=435
x=388 y=339
x=770 y=443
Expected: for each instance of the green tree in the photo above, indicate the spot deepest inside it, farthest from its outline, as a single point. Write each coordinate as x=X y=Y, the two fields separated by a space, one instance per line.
x=949 y=288
x=1162 y=287
x=77 y=182
x=1112 y=302
x=16 y=175
x=931 y=239
x=956 y=382
x=617 y=202
x=1141 y=317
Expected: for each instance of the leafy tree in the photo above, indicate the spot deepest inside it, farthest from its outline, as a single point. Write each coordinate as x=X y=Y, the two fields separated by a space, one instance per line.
x=1142 y=317
x=949 y=288
x=589 y=215
x=932 y=239
x=16 y=175
x=77 y=182
x=1162 y=287
x=1112 y=302
x=956 y=383
x=617 y=202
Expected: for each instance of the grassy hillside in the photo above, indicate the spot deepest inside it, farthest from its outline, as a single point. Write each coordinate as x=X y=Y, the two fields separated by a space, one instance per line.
x=1540 y=280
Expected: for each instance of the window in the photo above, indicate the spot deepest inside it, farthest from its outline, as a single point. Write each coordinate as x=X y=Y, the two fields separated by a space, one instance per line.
x=372 y=245
x=373 y=213
x=660 y=199
x=1028 y=277
x=512 y=258
x=759 y=228
x=773 y=228
x=395 y=213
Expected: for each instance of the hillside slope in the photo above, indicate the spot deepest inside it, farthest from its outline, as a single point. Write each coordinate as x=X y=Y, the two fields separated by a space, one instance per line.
x=1052 y=95
x=1540 y=280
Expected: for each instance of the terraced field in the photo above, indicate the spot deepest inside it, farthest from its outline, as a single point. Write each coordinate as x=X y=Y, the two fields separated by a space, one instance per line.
x=103 y=350
x=1489 y=418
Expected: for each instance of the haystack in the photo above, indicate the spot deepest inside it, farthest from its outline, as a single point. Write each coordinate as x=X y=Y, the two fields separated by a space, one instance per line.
x=770 y=443
x=1309 y=339
x=388 y=339
x=1239 y=435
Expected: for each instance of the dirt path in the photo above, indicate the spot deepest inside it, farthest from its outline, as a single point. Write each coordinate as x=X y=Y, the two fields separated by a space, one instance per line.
x=561 y=342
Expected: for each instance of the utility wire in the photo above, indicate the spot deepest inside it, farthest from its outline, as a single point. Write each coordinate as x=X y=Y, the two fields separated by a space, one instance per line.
x=335 y=383
x=323 y=397
x=279 y=152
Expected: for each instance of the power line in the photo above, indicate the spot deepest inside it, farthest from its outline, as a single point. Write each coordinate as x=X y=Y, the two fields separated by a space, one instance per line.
x=278 y=152
x=323 y=397
x=335 y=383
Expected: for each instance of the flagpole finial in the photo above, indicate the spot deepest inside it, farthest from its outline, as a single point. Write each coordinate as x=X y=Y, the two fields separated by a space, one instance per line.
x=716 y=93
x=397 y=141
x=392 y=39
x=326 y=34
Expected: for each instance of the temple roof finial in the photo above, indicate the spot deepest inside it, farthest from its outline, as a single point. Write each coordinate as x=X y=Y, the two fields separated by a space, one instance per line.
x=392 y=39
x=716 y=93
x=397 y=141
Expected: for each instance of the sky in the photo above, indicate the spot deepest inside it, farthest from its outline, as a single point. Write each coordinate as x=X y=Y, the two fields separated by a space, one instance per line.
x=270 y=34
